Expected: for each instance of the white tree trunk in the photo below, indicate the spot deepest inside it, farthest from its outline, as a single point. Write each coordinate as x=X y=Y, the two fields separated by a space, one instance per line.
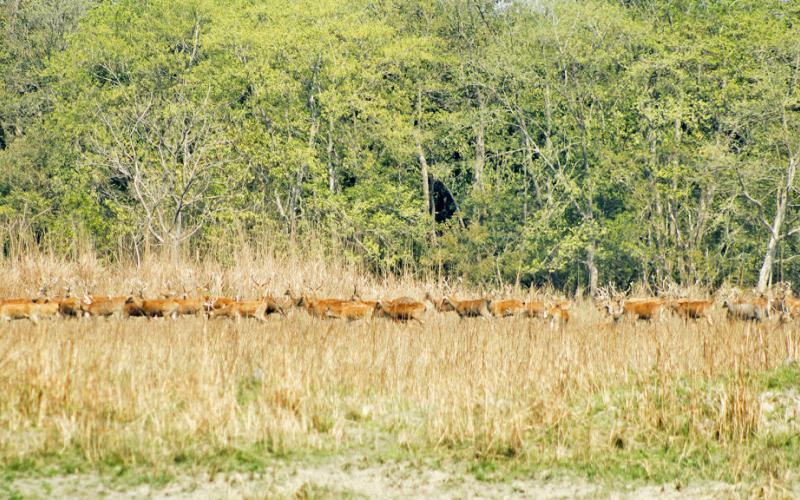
x=781 y=204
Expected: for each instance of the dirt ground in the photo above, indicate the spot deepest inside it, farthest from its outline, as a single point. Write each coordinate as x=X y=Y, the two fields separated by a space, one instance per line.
x=346 y=478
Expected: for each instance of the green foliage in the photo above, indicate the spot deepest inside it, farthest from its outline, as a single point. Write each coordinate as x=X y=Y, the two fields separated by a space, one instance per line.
x=571 y=143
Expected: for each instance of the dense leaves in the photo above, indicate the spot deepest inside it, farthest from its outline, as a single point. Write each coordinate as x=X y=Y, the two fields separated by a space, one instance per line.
x=564 y=142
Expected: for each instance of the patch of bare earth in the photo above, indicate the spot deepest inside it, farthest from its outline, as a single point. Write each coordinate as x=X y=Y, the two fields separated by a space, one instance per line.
x=349 y=478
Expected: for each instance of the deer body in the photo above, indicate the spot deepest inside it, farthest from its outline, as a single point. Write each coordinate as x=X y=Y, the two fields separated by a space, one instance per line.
x=749 y=310
x=559 y=315
x=440 y=305
x=692 y=309
x=30 y=310
x=470 y=308
x=535 y=309
x=401 y=309
x=505 y=308
x=154 y=308
x=104 y=306
x=255 y=309
x=349 y=310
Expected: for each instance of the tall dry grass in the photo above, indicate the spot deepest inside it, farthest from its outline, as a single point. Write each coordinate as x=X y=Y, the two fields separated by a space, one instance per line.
x=156 y=392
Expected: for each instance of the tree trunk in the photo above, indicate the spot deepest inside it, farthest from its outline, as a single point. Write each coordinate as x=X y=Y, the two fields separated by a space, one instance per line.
x=480 y=147
x=426 y=188
x=769 y=257
x=423 y=163
x=781 y=203
x=177 y=236
x=331 y=152
x=592 y=267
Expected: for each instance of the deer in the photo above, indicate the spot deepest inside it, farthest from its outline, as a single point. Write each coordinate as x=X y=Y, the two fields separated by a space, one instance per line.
x=45 y=287
x=271 y=303
x=687 y=308
x=785 y=302
x=439 y=304
x=753 y=309
x=154 y=308
x=469 y=308
x=749 y=311
x=68 y=305
x=102 y=305
x=506 y=308
x=190 y=306
x=210 y=302
x=24 y=300
x=559 y=314
x=16 y=300
x=350 y=311
x=402 y=309
x=30 y=310
x=693 y=308
x=536 y=309
x=356 y=297
x=187 y=306
x=313 y=306
x=99 y=306
x=219 y=302
x=642 y=308
x=255 y=309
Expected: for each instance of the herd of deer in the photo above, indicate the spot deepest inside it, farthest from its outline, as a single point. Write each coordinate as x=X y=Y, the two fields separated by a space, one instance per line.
x=743 y=306
x=172 y=305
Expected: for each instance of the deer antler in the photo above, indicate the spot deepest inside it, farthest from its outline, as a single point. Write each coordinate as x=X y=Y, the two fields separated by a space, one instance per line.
x=46 y=284
x=602 y=293
x=259 y=285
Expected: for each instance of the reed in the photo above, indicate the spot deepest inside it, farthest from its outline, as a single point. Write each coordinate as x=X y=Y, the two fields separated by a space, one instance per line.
x=147 y=392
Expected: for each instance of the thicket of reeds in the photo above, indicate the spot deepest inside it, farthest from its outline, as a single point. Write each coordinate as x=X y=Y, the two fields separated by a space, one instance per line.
x=671 y=398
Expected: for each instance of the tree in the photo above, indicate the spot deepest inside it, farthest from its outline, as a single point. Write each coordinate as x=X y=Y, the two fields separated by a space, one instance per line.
x=171 y=159
x=765 y=134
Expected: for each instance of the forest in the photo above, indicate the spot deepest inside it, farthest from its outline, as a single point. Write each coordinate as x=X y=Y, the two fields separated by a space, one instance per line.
x=570 y=143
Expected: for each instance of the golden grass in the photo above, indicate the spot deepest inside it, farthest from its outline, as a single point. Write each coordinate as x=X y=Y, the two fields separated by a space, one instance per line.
x=151 y=392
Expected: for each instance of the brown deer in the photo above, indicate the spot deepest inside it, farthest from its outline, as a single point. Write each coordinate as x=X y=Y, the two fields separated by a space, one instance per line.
x=401 y=309
x=559 y=314
x=255 y=309
x=536 y=309
x=439 y=304
x=313 y=306
x=693 y=308
x=470 y=308
x=349 y=311
x=104 y=306
x=153 y=308
x=618 y=306
x=683 y=307
x=785 y=303
x=507 y=307
x=33 y=311
x=68 y=305
x=187 y=305
x=356 y=297
x=271 y=303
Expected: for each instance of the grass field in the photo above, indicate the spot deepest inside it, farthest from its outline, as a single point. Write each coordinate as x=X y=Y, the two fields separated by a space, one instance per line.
x=501 y=400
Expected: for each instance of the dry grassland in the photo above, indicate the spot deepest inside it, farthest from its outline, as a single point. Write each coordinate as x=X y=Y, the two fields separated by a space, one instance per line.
x=668 y=402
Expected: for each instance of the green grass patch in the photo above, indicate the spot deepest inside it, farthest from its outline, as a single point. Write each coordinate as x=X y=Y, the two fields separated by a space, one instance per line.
x=783 y=378
x=642 y=432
